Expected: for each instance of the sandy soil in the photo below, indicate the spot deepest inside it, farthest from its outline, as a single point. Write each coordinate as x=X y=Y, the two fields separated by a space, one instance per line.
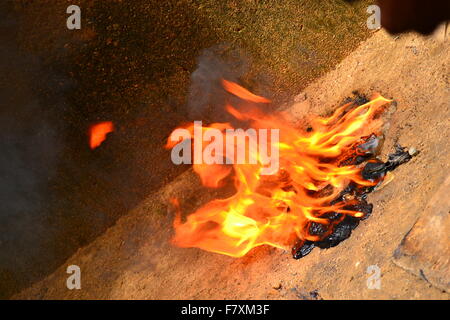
x=134 y=258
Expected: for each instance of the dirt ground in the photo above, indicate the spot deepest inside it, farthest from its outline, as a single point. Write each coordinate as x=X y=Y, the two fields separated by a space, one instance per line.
x=135 y=260
x=131 y=63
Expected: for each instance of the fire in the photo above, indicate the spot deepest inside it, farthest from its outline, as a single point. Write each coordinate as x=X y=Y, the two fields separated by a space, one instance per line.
x=98 y=132
x=277 y=209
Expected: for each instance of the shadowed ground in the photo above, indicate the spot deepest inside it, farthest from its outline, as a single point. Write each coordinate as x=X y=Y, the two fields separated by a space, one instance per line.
x=131 y=64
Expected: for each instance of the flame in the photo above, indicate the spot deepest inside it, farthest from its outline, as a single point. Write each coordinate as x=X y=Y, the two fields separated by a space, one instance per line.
x=98 y=132
x=277 y=209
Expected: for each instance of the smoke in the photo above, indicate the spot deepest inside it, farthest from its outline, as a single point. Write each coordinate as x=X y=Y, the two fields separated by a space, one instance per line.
x=206 y=95
x=28 y=157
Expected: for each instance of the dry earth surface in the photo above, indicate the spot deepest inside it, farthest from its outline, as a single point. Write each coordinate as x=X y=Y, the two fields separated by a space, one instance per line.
x=135 y=260
x=133 y=63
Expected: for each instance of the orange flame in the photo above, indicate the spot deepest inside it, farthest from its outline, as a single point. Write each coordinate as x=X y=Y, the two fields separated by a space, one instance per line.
x=242 y=93
x=276 y=209
x=98 y=132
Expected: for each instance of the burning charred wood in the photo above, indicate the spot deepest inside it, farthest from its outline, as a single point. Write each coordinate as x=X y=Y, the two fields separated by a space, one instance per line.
x=312 y=166
x=342 y=231
x=302 y=248
x=374 y=170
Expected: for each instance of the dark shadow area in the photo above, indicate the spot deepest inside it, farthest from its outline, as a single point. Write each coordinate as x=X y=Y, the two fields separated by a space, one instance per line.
x=57 y=194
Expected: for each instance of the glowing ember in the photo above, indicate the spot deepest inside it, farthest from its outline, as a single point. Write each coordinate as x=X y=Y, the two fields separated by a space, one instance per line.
x=98 y=132
x=278 y=209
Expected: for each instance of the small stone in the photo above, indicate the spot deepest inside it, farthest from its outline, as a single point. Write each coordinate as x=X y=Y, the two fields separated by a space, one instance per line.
x=392 y=107
x=277 y=286
x=413 y=151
